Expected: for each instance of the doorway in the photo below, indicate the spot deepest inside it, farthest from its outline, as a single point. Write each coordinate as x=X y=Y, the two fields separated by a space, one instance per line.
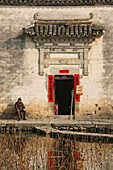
x=63 y=94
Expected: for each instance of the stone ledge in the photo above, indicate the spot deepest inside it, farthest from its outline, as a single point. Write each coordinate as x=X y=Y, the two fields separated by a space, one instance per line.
x=68 y=125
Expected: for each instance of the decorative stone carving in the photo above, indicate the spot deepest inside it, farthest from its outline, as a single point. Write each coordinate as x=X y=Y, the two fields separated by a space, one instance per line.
x=91 y=15
x=36 y=16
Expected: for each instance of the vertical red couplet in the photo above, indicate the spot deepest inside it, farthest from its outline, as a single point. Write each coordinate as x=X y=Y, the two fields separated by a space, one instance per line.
x=50 y=88
x=76 y=82
x=77 y=157
x=50 y=160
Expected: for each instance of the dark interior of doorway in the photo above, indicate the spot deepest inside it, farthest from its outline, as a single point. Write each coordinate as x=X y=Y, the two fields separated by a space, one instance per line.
x=63 y=95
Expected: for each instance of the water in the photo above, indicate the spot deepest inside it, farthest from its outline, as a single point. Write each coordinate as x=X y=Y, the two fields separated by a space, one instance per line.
x=31 y=151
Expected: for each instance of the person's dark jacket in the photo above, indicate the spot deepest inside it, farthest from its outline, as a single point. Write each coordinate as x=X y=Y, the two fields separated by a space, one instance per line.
x=19 y=106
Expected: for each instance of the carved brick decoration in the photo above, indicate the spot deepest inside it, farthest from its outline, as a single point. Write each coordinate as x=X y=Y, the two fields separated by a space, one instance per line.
x=67 y=29
x=80 y=28
x=56 y=2
x=75 y=29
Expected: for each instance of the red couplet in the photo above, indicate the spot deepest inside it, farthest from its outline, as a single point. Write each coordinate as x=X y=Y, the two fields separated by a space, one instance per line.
x=77 y=157
x=50 y=88
x=76 y=82
x=50 y=160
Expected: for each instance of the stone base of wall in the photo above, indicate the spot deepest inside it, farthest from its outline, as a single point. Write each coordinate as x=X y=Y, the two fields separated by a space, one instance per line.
x=33 y=111
x=36 y=111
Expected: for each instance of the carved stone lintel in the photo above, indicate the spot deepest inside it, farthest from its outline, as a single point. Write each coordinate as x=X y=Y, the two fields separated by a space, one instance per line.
x=61 y=61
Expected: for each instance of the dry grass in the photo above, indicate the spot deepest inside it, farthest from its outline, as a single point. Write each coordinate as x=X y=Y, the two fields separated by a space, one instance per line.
x=21 y=151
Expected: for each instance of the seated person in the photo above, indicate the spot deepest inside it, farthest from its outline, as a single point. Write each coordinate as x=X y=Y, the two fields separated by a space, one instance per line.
x=20 y=108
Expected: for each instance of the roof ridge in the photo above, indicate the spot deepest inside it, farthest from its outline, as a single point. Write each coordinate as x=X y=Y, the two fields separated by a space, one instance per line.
x=73 y=20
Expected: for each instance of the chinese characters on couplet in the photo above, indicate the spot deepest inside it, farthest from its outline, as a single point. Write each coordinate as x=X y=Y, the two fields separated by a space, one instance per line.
x=76 y=82
x=50 y=88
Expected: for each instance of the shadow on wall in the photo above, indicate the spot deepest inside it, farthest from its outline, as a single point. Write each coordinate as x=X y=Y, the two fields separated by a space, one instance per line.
x=33 y=111
x=15 y=43
x=8 y=112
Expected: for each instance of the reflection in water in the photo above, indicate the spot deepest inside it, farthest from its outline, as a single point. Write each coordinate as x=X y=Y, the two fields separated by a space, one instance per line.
x=29 y=151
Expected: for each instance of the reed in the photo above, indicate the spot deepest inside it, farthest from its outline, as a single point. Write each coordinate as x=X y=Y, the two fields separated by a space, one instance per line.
x=21 y=151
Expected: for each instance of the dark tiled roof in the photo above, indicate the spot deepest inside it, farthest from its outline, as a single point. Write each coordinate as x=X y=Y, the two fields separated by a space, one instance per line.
x=60 y=28
x=56 y=2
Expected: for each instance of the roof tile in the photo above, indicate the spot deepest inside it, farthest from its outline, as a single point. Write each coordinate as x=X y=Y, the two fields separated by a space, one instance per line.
x=56 y=2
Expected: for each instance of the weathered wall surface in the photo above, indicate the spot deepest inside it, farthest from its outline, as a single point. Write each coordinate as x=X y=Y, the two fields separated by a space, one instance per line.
x=19 y=58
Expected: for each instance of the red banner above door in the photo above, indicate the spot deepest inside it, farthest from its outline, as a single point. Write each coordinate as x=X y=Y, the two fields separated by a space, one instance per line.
x=63 y=71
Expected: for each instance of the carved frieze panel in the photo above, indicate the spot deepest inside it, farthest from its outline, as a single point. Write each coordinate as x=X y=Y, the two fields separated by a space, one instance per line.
x=80 y=58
